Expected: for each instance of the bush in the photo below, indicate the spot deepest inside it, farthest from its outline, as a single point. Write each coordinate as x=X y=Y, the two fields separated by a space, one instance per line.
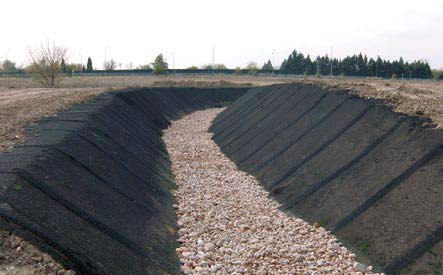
x=238 y=71
x=305 y=74
x=317 y=74
x=46 y=64
x=160 y=66
x=394 y=76
x=437 y=75
x=253 y=72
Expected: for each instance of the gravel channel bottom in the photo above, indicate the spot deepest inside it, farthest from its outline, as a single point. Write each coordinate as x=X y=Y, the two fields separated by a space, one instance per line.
x=228 y=223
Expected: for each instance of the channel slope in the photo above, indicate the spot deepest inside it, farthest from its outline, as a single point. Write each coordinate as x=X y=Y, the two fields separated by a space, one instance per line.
x=92 y=185
x=372 y=176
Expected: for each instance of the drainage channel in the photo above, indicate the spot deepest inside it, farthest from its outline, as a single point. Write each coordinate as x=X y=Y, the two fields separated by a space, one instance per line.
x=229 y=224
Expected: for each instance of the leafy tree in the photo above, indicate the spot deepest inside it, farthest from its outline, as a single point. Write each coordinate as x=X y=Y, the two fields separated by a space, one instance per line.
x=214 y=67
x=73 y=67
x=160 y=66
x=220 y=67
x=238 y=71
x=252 y=68
x=437 y=74
x=192 y=68
x=253 y=72
x=251 y=65
x=89 y=67
x=145 y=67
x=9 y=66
x=46 y=64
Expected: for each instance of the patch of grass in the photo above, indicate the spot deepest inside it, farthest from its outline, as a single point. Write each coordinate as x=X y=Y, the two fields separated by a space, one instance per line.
x=437 y=264
x=98 y=138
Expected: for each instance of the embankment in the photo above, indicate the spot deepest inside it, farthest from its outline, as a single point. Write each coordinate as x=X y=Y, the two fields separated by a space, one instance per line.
x=91 y=186
x=372 y=176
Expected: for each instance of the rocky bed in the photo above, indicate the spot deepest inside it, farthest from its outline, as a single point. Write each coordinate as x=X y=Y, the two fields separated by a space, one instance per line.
x=229 y=224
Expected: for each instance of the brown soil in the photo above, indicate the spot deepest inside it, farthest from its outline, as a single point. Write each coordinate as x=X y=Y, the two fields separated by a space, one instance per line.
x=421 y=98
x=18 y=257
x=22 y=102
x=23 y=106
x=19 y=107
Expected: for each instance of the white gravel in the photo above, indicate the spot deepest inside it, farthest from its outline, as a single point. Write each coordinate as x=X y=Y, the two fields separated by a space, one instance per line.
x=229 y=224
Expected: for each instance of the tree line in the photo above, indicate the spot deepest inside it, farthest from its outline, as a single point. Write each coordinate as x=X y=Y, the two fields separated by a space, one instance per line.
x=48 y=66
x=356 y=65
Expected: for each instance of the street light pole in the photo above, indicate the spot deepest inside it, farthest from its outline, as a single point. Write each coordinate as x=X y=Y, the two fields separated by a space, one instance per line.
x=104 y=65
x=213 y=59
x=6 y=54
x=173 y=63
x=273 y=62
x=81 y=65
x=376 y=66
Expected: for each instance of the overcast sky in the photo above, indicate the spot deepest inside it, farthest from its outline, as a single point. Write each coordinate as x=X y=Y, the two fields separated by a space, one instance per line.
x=241 y=30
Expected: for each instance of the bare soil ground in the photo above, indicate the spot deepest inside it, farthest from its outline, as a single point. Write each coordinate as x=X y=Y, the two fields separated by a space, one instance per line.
x=23 y=102
x=18 y=257
x=420 y=98
x=19 y=107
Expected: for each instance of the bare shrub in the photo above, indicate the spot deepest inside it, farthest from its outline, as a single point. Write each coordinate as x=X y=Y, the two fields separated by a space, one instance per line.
x=110 y=65
x=46 y=64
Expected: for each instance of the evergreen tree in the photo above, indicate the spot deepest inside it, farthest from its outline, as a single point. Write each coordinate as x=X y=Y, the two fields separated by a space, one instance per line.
x=310 y=66
x=63 y=65
x=267 y=66
x=89 y=67
x=379 y=67
x=372 y=67
x=356 y=65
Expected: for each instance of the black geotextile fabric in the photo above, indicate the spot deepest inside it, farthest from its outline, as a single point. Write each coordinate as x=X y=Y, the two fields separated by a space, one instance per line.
x=91 y=186
x=373 y=176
